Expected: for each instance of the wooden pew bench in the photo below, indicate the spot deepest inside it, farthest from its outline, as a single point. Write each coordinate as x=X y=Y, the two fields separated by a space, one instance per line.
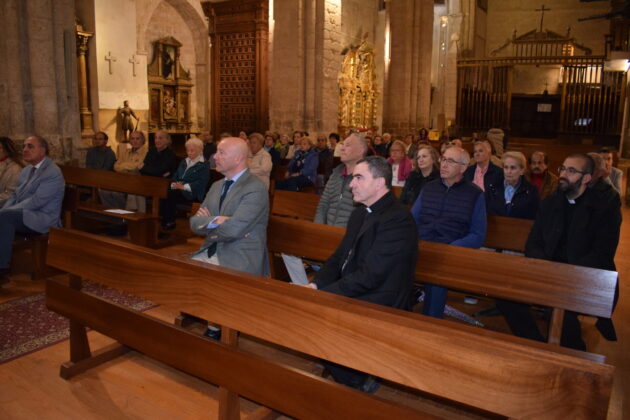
x=37 y=244
x=469 y=366
x=503 y=233
x=143 y=227
x=559 y=286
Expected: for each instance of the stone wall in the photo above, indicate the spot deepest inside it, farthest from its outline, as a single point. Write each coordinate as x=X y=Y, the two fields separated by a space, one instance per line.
x=38 y=88
x=505 y=16
x=305 y=59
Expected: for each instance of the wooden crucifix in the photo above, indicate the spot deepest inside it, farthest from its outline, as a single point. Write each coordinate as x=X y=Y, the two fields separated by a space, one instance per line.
x=109 y=57
x=133 y=60
x=542 y=15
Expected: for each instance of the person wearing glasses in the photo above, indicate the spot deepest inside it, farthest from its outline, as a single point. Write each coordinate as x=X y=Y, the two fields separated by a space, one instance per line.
x=576 y=225
x=450 y=210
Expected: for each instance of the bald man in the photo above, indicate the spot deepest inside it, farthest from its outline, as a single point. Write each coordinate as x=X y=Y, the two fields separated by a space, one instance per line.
x=233 y=216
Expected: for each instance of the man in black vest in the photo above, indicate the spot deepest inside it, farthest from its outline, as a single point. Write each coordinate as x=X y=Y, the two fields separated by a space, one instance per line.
x=376 y=259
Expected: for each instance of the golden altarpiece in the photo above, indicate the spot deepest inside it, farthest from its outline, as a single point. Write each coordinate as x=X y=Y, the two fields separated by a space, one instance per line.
x=169 y=89
x=357 y=90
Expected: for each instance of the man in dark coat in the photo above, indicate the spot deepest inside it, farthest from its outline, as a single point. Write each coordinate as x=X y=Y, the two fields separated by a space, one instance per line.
x=576 y=225
x=376 y=259
x=160 y=161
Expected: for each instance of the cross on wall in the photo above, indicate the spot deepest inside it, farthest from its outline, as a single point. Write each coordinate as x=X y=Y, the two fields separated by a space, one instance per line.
x=133 y=60
x=109 y=57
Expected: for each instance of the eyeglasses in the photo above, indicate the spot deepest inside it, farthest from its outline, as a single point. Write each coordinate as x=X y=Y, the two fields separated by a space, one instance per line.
x=570 y=170
x=450 y=161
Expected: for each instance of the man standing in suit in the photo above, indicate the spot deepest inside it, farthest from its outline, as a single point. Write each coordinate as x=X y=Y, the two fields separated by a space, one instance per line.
x=35 y=206
x=376 y=259
x=233 y=216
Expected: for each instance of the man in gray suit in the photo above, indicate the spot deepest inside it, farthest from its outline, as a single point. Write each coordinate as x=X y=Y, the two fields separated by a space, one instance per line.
x=35 y=206
x=234 y=214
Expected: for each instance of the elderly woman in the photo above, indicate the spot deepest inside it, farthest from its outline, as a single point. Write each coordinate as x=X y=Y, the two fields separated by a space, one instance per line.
x=426 y=168
x=401 y=164
x=190 y=182
x=302 y=167
x=515 y=196
x=11 y=165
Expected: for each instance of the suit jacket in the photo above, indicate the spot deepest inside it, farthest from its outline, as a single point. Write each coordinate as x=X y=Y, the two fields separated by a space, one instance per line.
x=242 y=239
x=376 y=259
x=41 y=198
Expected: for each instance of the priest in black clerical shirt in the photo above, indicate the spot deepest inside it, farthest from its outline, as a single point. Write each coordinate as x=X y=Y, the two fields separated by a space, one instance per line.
x=376 y=259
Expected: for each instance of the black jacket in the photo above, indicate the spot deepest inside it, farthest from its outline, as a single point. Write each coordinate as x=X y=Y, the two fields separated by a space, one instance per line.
x=376 y=259
x=414 y=183
x=592 y=235
x=160 y=164
x=493 y=176
x=524 y=204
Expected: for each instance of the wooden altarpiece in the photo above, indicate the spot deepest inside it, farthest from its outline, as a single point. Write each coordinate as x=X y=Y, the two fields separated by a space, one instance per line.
x=169 y=89
x=239 y=32
x=592 y=97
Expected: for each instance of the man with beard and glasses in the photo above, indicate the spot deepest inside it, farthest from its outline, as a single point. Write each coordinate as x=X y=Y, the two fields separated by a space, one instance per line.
x=576 y=225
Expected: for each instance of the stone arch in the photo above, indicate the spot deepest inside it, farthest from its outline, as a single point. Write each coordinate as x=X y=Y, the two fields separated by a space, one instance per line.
x=193 y=15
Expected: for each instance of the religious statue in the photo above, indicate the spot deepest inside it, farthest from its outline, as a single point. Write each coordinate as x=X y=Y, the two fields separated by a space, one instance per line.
x=126 y=123
x=170 y=109
x=357 y=90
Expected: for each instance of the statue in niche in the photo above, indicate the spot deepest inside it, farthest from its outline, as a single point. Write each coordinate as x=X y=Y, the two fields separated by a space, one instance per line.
x=170 y=108
x=125 y=122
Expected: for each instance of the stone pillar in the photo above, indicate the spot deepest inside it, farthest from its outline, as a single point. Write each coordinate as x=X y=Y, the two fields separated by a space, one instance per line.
x=407 y=104
x=84 y=100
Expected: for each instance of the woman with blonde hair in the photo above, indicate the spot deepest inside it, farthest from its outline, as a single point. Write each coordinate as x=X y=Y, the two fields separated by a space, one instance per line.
x=515 y=196
x=426 y=168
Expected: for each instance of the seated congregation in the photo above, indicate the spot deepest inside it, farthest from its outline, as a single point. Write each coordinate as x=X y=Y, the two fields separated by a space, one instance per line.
x=443 y=197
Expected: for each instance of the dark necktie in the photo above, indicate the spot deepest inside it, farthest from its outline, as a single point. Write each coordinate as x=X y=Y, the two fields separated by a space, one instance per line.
x=30 y=175
x=226 y=187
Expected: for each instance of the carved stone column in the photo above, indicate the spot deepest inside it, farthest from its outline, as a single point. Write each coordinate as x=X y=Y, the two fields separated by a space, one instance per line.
x=83 y=38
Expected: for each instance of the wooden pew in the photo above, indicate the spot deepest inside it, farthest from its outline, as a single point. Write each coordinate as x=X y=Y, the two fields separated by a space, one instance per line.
x=501 y=374
x=293 y=204
x=502 y=233
x=37 y=244
x=559 y=286
x=143 y=227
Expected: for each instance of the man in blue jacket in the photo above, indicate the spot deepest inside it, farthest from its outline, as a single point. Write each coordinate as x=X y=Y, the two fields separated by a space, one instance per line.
x=35 y=206
x=450 y=210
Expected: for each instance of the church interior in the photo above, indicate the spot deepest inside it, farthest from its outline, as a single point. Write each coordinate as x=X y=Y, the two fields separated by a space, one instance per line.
x=552 y=77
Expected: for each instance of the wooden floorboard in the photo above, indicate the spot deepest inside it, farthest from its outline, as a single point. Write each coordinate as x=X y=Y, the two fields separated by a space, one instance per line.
x=134 y=386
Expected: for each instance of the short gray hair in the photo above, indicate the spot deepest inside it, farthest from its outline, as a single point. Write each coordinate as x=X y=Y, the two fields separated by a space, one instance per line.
x=379 y=167
x=194 y=141
x=362 y=141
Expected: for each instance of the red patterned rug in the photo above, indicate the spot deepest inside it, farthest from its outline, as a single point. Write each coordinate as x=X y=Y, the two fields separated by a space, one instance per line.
x=27 y=326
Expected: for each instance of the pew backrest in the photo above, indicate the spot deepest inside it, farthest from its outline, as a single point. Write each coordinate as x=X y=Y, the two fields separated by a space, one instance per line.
x=474 y=367
x=527 y=280
x=298 y=205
